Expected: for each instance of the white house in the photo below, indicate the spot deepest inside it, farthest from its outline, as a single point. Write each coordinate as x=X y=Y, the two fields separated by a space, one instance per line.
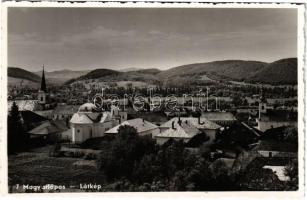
x=88 y=122
x=185 y=128
x=142 y=127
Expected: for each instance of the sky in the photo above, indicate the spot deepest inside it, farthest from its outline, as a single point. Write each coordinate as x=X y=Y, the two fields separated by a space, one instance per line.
x=117 y=38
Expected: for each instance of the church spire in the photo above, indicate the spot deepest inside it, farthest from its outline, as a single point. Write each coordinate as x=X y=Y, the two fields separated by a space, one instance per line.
x=43 y=82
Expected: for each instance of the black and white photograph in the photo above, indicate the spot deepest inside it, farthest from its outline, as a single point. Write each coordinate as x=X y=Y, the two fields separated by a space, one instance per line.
x=154 y=99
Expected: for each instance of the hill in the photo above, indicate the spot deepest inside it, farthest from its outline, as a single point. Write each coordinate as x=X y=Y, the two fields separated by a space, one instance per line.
x=283 y=71
x=95 y=74
x=98 y=73
x=148 y=71
x=279 y=72
x=61 y=76
x=22 y=74
x=130 y=69
x=232 y=69
x=139 y=77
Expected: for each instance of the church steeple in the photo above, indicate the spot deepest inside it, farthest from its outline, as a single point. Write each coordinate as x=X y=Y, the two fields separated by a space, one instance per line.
x=43 y=82
x=262 y=103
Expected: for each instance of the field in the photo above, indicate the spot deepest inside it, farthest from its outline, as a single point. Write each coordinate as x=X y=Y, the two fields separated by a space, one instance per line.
x=38 y=169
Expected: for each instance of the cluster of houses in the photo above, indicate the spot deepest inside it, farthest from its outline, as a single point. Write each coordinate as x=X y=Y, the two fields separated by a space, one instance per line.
x=77 y=124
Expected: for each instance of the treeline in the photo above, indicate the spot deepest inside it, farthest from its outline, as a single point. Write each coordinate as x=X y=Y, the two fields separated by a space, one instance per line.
x=133 y=163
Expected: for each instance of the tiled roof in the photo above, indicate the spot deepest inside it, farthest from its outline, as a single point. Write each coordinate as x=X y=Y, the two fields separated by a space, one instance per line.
x=87 y=107
x=185 y=130
x=204 y=123
x=139 y=124
x=105 y=117
x=80 y=118
x=89 y=118
x=46 y=128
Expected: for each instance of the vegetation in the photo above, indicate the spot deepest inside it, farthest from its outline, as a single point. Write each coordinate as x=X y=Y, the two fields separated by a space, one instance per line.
x=22 y=74
x=138 y=164
x=279 y=72
x=17 y=138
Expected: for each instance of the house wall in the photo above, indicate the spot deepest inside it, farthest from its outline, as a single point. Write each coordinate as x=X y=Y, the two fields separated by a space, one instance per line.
x=223 y=122
x=162 y=140
x=211 y=134
x=61 y=116
x=81 y=132
x=152 y=132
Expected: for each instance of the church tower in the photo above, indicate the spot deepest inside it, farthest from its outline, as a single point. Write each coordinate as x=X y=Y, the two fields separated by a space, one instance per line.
x=43 y=90
x=262 y=103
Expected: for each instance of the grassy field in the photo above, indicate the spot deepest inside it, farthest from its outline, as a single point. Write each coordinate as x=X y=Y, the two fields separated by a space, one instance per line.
x=37 y=168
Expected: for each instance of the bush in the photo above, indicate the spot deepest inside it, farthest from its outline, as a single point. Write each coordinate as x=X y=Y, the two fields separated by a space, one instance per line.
x=55 y=150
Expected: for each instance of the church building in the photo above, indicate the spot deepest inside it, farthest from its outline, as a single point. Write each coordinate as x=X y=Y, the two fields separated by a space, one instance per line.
x=88 y=122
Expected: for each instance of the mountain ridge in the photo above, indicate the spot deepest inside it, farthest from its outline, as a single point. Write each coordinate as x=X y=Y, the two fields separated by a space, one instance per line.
x=283 y=71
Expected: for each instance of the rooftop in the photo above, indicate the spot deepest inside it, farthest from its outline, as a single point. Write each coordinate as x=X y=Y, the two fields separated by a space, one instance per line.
x=139 y=124
x=204 y=123
x=185 y=130
x=90 y=117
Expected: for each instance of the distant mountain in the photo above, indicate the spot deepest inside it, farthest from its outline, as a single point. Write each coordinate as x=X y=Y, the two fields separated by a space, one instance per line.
x=283 y=71
x=95 y=74
x=232 y=69
x=61 y=76
x=106 y=75
x=148 y=71
x=98 y=73
x=19 y=73
x=129 y=69
x=279 y=72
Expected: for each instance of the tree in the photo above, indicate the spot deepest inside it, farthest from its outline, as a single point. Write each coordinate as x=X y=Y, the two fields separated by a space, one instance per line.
x=120 y=158
x=17 y=138
x=291 y=170
x=291 y=134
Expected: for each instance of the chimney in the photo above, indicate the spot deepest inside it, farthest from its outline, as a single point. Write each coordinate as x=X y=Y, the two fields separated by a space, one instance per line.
x=173 y=125
x=179 y=121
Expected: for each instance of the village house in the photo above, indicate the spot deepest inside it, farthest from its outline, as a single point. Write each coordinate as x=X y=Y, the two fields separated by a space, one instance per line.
x=269 y=118
x=185 y=128
x=273 y=148
x=63 y=112
x=142 y=127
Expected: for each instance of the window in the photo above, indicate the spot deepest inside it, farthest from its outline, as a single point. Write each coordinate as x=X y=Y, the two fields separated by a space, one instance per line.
x=91 y=133
x=270 y=154
x=262 y=107
x=78 y=131
x=42 y=98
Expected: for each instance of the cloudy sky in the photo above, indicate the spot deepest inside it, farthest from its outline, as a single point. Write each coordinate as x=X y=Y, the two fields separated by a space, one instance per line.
x=116 y=38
